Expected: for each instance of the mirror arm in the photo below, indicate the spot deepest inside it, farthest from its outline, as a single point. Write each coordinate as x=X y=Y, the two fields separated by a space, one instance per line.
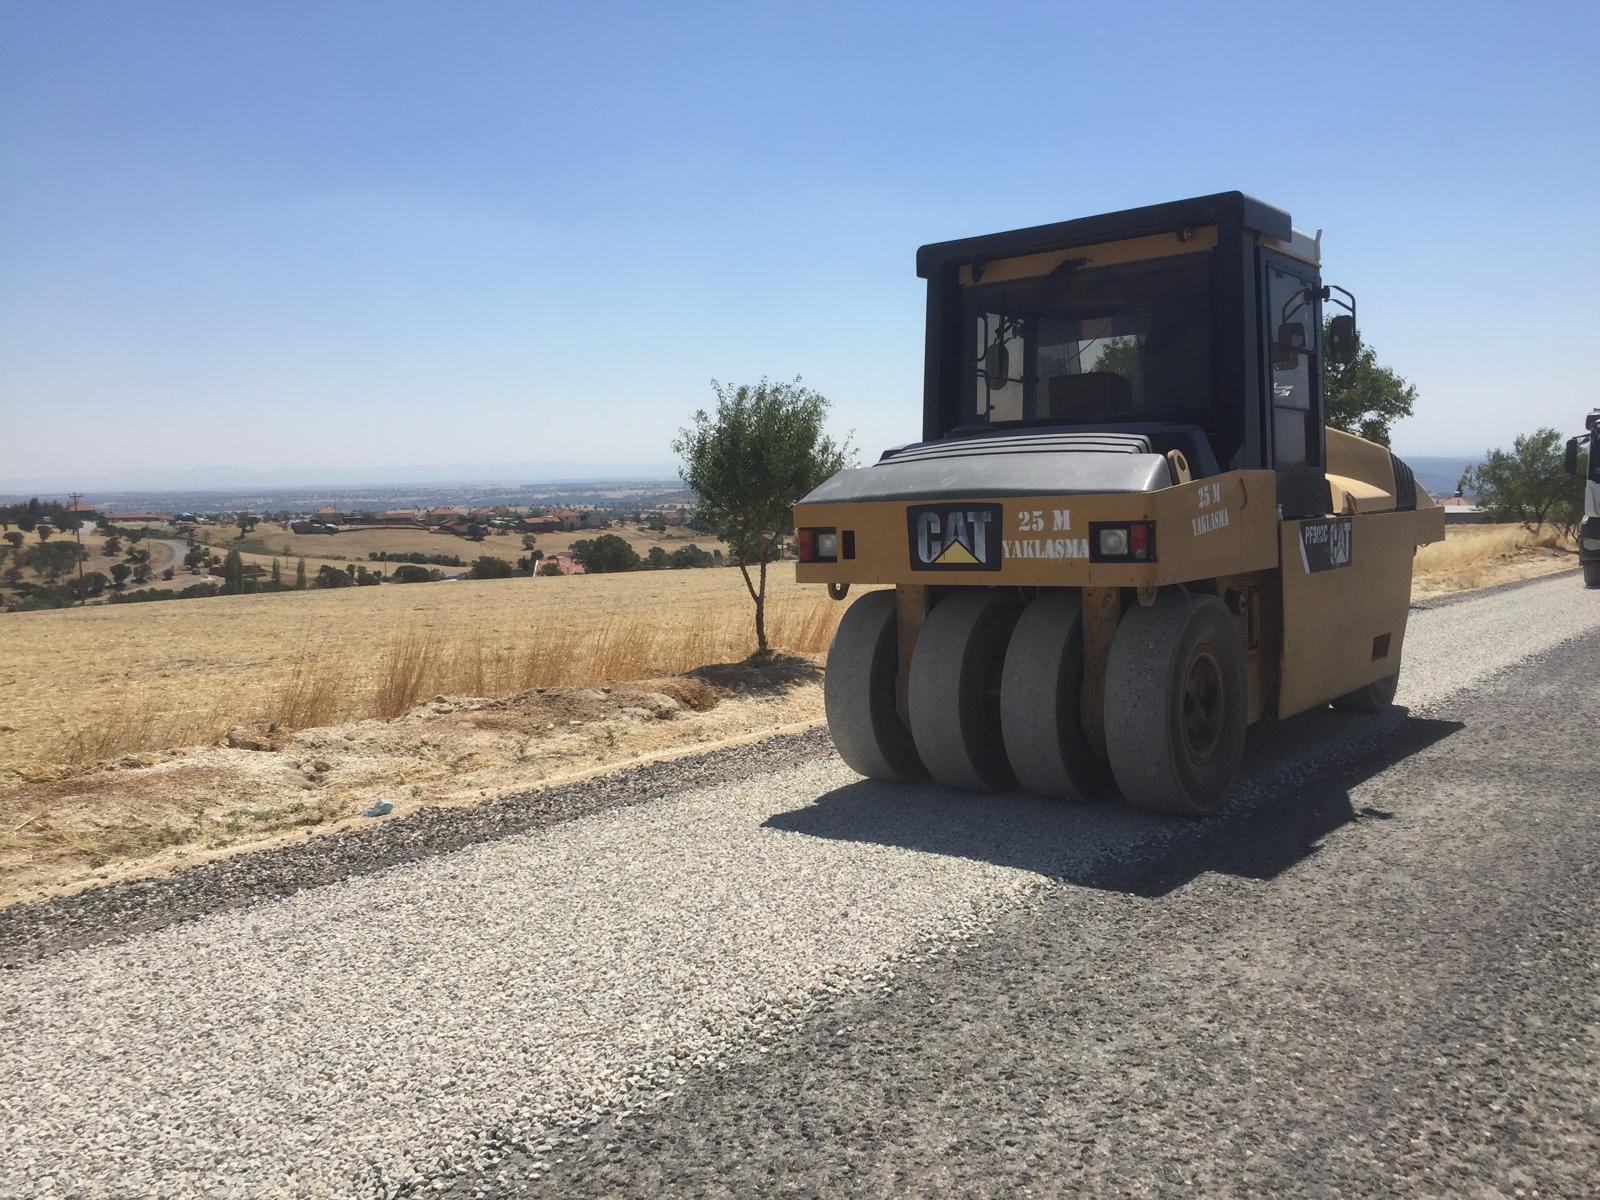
x=1348 y=304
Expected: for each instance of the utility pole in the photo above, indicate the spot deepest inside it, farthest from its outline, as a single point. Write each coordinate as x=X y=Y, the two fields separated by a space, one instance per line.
x=77 y=533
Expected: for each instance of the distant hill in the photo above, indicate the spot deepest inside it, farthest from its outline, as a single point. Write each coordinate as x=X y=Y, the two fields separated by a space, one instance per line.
x=1439 y=473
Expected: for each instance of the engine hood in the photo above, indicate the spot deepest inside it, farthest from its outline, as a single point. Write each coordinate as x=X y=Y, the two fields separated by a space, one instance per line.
x=1042 y=464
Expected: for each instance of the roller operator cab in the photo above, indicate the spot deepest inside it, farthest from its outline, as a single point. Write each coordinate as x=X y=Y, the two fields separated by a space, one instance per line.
x=1125 y=533
x=1583 y=458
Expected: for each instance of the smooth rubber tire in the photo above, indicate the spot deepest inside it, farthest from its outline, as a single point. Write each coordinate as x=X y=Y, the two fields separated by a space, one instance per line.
x=1374 y=698
x=1153 y=655
x=1591 y=574
x=858 y=693
x=1040 y=702
x=954 y=694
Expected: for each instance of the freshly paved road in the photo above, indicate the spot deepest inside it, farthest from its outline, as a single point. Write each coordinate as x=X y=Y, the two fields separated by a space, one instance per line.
x=1375 y=971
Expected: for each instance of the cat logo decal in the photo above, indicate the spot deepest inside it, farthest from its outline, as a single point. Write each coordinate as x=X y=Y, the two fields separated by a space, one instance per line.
x=954 y=537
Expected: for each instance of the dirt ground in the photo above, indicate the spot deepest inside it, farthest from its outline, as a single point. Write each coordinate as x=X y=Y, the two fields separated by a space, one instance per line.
x=97 y=682
x=156 y=811
x=1475 y=556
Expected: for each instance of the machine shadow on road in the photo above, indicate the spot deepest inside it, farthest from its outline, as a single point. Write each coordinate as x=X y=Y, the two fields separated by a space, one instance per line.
x=1295 y=789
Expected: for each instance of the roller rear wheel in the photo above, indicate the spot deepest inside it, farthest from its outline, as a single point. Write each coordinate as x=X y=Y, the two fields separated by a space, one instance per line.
x=1040 y=691
x=858 y=693
x=1176 y=704
x=1591 y=574
x=954 y=694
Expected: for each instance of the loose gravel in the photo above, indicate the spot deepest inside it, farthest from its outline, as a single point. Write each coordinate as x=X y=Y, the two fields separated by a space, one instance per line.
x=35 y=930
x=435 y=1014
x=1382 y=984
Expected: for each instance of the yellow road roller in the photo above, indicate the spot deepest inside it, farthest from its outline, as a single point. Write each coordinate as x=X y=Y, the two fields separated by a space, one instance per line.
x=1126 y=532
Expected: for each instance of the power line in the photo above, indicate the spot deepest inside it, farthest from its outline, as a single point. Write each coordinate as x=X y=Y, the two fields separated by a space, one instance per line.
x=77 y=533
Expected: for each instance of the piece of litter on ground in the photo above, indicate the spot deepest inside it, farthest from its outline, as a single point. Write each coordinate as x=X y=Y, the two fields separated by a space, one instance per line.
x=380 y=808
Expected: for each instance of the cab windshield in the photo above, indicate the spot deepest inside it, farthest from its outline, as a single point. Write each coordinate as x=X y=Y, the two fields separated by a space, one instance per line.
x=1122 y=343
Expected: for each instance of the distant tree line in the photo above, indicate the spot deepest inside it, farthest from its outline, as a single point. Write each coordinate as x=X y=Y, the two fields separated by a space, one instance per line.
x=438 y=560
x=27 y=514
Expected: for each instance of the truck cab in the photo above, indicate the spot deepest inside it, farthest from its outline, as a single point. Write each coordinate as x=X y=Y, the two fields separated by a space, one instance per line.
x=1583 y=458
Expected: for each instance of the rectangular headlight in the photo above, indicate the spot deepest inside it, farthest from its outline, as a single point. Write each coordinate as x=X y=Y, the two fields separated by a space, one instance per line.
x=1122 y=541
x=817 y=545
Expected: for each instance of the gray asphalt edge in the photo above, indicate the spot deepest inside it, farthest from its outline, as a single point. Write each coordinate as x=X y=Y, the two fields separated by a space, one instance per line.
x=32 y=931
x=1514 y=585
x=590 y=1157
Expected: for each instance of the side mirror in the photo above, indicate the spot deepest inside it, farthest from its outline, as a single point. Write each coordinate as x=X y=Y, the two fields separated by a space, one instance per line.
x=1342 y=340
x=1572 y=456
x=1288 y=345
x=996 y=365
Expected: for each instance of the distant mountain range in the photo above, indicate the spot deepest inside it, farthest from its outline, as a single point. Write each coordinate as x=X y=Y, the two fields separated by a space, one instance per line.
x=234 y=479
x=1439 y=473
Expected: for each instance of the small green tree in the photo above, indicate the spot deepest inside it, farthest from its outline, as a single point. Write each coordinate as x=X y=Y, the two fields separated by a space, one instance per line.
x=91 y=585
x=762 y=450
x=120 y=572
x=16 y=539
x=44 y=532
x=691 y=556
x=51 y=562
x=277 y=573
x=112 y=547
x=605 y=554
x=1362 y=397
x=550 y=568
x=489 y=567
x=300 y=575
x=233 y=574
x=1529 y=484
x=657 y=558
x=141 y=573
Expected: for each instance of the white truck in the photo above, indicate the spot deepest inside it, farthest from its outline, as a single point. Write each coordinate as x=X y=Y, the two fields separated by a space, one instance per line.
x=1589 y=528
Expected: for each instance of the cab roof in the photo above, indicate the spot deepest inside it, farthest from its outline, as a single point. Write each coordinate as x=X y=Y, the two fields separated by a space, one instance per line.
x=1223 y=208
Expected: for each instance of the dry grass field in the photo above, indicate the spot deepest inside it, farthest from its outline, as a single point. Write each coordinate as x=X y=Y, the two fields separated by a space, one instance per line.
x=81 y=685
x=161 y=555
x=78 y=686
x=98 y=704
x=1474 y=556
x=357 y=543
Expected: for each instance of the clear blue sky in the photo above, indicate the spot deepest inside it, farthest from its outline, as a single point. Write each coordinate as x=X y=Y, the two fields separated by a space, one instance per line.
x=401 y=232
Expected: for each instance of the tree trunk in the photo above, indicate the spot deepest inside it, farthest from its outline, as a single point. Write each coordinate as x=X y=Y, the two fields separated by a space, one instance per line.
x=761 y=609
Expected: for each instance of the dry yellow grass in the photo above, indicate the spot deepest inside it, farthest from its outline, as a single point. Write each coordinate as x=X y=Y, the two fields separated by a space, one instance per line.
x=355 y=545
x=161 y=554
x=1473 y=556
x=82 y=685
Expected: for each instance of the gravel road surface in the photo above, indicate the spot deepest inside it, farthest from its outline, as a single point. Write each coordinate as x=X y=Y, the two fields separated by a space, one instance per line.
x=1375 y=971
